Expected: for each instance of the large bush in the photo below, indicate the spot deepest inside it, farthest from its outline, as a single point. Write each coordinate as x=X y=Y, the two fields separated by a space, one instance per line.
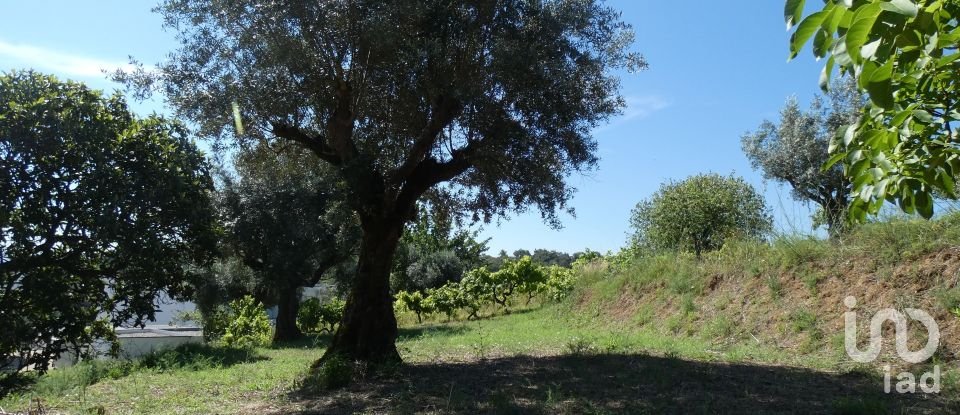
x=250 y=326
x=699 y=213
x=316 y=316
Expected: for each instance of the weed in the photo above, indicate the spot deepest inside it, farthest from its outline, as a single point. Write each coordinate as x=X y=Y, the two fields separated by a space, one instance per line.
x=579 y=346
x=334 y=372
x=775 y=285
x=802 y=320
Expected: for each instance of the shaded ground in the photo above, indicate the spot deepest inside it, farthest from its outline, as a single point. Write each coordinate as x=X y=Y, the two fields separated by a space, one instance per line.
x=613 y=384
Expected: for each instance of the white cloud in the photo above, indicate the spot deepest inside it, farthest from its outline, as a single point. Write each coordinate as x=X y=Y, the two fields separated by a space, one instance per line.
x=60 y=63
x=638 y=107
x=642 y=107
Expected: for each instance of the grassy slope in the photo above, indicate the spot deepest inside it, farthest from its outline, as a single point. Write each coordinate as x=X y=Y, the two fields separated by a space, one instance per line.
x=752 y=328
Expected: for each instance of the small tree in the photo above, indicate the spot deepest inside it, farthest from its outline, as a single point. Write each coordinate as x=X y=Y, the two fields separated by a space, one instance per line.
x=795 y=151
x=699 y=213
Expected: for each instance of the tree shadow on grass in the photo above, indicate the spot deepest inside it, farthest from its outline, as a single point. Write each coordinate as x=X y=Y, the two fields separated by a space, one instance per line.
x=198 y=356
x=308 y=341
x=635 y=384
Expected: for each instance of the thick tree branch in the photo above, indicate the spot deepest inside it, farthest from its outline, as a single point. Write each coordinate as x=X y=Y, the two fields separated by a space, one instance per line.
x=443 y=111
x=316 y=144
x=430 y=172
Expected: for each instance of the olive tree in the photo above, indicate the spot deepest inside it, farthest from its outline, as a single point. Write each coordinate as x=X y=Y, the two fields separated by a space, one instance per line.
x=494 y=101
x=903 y=53
x=286 y=220
x=100 y=213
x=795 y=150
x=699 y=213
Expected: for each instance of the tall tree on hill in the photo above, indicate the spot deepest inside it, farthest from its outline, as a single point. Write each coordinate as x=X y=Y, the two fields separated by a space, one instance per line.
x=495 y=100
x=795 y=151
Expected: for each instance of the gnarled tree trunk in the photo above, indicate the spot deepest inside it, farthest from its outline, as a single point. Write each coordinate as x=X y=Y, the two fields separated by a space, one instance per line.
x=369 y=328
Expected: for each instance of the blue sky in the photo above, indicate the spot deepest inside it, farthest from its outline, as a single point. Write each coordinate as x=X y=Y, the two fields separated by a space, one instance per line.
x=718 y=68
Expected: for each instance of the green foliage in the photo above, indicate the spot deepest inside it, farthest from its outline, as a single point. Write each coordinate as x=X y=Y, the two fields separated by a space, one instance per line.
x=699 y=214
x=334 y=372
x=315 y=316
x=560 y=282
x=286 y=226
x=187 y=318
x=100 y=211
x=447 y=299
x=586 y=257
x=795 y=150
x=415 y=302
x=194 y=357
x=903 y=54
x=492 y=106
x=950 y=299
x=215 y=321
x=432 y=252
x=250 y=326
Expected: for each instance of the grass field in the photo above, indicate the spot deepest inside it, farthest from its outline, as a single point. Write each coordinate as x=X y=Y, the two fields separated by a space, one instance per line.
x=530 y=361
x=753 y=328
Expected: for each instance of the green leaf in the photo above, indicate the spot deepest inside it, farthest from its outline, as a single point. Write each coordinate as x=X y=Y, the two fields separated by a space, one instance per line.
x=901 y=117
x=792 y=12
x=903 y=7
x=880 y=86
x=923 y=116
x=859 y=31
x=840 y=53
x=869 y=50
x=821 y=43
x=832 y=161
x=924 y=204
x=848 y=134
x=804 y=31
x=825 y=74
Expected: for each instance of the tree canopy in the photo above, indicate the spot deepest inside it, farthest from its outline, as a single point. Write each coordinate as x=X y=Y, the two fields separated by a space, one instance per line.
x=100 y=212
x=285 y=220
x=699 y=213
x=795 y=150
x=903 y=53
x=493 y=101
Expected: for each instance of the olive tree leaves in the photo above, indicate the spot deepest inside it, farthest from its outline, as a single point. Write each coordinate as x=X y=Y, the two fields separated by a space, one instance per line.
x=903 y=54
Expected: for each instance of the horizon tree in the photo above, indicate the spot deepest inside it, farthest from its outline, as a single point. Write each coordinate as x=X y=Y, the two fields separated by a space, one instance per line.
x=795 y=150
x=492 y=100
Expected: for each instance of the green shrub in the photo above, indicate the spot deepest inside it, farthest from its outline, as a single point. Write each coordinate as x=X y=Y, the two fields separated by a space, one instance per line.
x=949 y=299
x=415 y=302
x=334 y=372
x=699 y=213
x=250 y=326
x=559 y=283
x=317 y=317
x=216 y=321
